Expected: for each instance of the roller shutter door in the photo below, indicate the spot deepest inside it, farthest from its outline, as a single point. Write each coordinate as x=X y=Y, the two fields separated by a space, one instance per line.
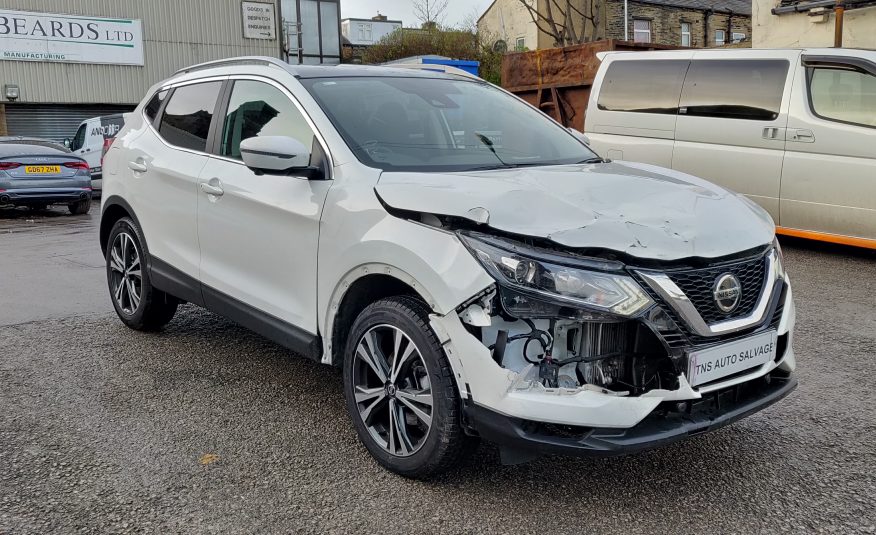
x=53 y=121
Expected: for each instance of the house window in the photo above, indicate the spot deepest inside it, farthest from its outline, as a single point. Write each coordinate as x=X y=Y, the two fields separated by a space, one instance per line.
x=685 y=34
x=720 y=37
x=738 y=37
x=364 y=32
x=521 y=44
x=641 y=31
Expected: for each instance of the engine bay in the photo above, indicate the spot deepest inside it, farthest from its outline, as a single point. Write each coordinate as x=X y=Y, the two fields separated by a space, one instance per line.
x=571 y=351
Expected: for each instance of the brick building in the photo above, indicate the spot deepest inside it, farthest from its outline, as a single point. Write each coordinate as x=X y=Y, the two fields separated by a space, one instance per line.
x=695 y=23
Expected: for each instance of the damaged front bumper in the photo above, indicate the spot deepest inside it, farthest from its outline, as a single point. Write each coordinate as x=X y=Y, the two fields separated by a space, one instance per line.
x=519 y=413
x=661 y=427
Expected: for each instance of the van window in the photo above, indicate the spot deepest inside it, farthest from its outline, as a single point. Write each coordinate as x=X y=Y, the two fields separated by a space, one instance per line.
x=259 y=109
x=650 y=86
x=187 y=116
x=154 y=105
x=843 y=95
x=79 y=139
x=735 y=89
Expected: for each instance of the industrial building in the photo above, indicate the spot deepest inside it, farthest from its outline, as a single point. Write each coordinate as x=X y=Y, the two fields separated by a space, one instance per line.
x=62 y=62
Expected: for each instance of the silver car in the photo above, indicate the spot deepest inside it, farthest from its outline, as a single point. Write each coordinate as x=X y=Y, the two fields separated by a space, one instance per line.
x=36 y=174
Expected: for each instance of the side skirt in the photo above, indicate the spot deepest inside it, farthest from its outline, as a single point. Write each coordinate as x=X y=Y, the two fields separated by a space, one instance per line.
x=182 y=286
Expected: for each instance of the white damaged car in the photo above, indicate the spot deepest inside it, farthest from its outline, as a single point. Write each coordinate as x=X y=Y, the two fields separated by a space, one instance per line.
x=475 y=269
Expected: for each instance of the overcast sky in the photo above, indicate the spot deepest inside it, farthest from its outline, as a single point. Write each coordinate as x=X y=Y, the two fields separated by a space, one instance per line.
x=457 y=10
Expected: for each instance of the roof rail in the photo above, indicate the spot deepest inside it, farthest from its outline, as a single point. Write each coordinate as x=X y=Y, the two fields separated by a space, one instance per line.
x=243 y=60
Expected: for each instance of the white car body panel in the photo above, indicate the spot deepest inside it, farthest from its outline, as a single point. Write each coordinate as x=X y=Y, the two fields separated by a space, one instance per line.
x=641 y=210
x=164 y=197
x=434 y=263
x=275 y=269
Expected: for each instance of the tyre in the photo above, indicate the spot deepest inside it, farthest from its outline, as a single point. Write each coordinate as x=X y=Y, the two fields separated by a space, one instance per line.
x=137 y=303
x=400 y=390
x=80 y=207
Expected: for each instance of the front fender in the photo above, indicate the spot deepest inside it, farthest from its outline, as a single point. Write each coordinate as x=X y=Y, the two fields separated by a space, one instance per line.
x=432 y=262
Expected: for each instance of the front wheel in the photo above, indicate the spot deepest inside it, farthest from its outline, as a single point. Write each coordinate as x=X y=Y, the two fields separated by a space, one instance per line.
x=400 y=390
x=137 y=303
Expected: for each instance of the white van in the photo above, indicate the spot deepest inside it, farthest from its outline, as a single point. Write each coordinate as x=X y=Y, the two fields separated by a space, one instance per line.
x=794 y=130
x=92 y=139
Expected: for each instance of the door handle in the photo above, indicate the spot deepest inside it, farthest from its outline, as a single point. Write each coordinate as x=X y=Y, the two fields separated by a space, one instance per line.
x=212 y=189
x=138 y=166
x=770 y=133
x=803 y=136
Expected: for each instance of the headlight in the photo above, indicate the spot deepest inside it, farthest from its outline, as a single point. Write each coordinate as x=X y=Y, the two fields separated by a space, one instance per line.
x=530 y=273
x=780 y=258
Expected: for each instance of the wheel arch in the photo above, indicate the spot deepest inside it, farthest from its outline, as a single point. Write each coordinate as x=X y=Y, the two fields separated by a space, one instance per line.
x=358 y=289
x=115 y=208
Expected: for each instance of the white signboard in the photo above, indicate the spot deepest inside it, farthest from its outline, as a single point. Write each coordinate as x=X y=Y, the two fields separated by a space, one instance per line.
x=259 y=20
x=29 y=36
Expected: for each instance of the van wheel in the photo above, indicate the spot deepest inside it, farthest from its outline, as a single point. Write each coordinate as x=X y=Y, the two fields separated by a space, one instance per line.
x=137 y=303
x=400 y=390
x=80 y=207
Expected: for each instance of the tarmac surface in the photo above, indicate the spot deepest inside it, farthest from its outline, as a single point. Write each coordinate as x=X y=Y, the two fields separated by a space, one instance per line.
x=206 y=428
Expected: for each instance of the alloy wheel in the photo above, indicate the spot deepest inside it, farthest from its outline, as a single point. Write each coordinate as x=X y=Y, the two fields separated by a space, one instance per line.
x=126 y=273
x=392 y=390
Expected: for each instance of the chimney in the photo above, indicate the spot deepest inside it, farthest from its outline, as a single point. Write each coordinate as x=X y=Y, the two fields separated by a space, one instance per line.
x=379 y=18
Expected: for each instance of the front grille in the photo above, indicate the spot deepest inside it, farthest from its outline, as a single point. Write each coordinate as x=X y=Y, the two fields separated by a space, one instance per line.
x=698 y=285
x=684 y=337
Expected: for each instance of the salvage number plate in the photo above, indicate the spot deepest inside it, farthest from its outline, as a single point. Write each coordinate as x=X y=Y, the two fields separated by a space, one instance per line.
x=42 y=169
x=714 y=363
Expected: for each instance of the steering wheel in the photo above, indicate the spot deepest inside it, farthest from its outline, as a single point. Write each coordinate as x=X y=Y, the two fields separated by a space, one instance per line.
x=377 y=150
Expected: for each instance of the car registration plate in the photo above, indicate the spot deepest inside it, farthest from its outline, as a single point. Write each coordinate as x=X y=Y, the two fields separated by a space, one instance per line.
x=42 y=169
x=727 y=359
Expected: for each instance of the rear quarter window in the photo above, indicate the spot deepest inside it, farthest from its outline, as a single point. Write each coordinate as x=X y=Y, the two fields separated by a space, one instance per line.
x=735 y=89
x=154 y=105
x=643 y=86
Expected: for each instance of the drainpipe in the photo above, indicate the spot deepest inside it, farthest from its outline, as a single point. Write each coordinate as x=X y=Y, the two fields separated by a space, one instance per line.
x=838 y=29
x=729 y=36
x=626 y=20
x=707 y=16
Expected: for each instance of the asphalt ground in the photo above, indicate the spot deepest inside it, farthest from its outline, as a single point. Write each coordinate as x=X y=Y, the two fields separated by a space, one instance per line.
x=206 y=428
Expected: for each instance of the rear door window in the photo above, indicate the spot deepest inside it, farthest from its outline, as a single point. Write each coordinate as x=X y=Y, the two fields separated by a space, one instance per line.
x=735 y=89
x=650 y=86
x=186 y=119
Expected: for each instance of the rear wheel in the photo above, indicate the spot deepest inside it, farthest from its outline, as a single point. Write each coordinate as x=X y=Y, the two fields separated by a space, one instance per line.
x=80 y=207
x=400 y=390
x=138 y=304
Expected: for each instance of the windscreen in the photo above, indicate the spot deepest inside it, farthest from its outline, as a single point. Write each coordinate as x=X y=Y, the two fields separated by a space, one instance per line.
x=434 y=124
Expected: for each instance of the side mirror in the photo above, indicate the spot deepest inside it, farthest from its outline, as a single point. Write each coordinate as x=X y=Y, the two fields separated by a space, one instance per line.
x=67 y=142
x=579 y=136
x=274 y=154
